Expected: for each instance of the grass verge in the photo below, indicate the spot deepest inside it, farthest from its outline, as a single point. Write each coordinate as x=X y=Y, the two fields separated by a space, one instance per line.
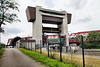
x=77 y=60
x=1 y=51
x=44 y=59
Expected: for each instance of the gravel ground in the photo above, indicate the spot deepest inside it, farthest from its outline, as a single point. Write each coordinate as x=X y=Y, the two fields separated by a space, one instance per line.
x=12 y=57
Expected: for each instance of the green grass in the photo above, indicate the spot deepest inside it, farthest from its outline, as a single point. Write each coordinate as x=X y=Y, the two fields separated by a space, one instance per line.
x=93 y=49
x=1 y=51
x=44 y=59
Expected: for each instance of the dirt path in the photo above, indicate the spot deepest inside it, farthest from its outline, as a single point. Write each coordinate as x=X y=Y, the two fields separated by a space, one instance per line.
x=14 y=58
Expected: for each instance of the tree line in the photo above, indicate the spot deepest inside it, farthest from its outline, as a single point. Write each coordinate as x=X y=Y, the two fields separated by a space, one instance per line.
x=93 y=41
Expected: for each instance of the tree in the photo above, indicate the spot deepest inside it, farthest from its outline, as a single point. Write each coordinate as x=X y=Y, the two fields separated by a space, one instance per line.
x=94 y=36
x=13 y=42
x=1 y=30
x=2 y=45
x=91 y=45
x=6 y=9
x=93 y=41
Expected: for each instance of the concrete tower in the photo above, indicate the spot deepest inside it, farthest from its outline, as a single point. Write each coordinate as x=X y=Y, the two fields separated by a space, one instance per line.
x=38 y=15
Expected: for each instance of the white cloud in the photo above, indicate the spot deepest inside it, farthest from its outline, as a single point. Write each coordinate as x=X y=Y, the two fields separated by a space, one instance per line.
x=78 y=4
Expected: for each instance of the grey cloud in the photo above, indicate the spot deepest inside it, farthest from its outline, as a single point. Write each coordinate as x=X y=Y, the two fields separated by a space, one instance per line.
x=78 y=4
x=12 y=31
x=85 y=19
x=49 y=3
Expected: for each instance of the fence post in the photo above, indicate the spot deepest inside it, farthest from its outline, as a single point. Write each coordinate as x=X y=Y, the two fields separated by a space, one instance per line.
x=25 y=45
x=22 y=45
x=60 y=50
x=48 y=49
x=28 y=45
x=35 y=46
x=40 y=46
x=31 y=46
x=83 y=50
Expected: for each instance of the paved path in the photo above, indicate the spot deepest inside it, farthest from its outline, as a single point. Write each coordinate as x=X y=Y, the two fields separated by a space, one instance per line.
x=14 y=58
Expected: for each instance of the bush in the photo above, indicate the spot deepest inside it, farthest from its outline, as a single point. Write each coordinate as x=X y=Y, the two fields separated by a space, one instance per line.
x=91 y=45
x=1 y=52
x=44 y=59
x=2 y=45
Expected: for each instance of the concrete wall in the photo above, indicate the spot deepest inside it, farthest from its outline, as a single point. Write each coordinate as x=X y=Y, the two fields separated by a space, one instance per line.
x=28 y=45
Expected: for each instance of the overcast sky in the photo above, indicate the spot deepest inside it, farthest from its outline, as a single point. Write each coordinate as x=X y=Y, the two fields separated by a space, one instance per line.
x=85 y=16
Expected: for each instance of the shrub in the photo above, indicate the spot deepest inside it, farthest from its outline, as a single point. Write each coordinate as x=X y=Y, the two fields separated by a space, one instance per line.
x=91 y=45
x=2 y=45
x=1 y=52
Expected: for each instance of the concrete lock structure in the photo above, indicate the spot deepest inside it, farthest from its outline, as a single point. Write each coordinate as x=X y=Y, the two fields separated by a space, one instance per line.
x=38 y=15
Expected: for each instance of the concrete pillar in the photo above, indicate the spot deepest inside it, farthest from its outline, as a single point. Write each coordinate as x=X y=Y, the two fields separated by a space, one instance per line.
x=18 y=44
x=64 y=28
x=37 y=26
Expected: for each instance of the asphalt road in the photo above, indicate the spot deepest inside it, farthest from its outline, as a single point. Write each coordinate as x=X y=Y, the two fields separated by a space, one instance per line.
x=12 y=57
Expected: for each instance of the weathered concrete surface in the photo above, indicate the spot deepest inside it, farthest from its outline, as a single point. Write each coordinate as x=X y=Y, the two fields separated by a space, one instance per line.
x=14 y=58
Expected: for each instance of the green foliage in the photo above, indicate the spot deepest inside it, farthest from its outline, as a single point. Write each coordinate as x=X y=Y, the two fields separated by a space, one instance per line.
x=6 y=11
x=94 y=36
x=14 y=40
x=79 y=38
x=2 y=45
x=11 y=42
x=91 y=45
x=44 y=59
x=1 y=52
x=1 y=30
x=94 y=41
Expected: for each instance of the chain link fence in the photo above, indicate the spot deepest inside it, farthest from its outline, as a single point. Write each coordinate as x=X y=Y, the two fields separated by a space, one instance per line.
x=72 y=56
